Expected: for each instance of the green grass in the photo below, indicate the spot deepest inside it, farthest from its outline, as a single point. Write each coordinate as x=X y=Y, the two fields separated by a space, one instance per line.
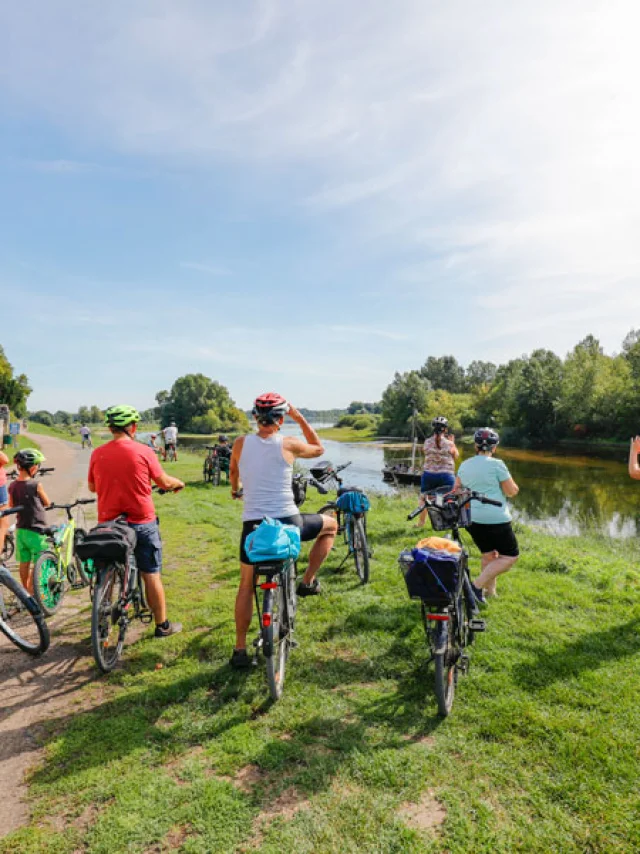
x=347 y=434
x=540 y=753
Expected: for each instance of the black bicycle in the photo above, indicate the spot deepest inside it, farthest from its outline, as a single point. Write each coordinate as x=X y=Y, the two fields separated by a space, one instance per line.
x=21 y=620
x=276 y=618
x=350 y=511
x=214 y=464
x=440 y=579
x=9 y=538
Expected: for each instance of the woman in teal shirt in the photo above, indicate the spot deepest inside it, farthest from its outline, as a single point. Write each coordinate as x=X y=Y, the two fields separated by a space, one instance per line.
x=490 y=527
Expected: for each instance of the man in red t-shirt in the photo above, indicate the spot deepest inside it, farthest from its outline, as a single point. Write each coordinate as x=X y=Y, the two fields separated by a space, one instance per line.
x=121 y=472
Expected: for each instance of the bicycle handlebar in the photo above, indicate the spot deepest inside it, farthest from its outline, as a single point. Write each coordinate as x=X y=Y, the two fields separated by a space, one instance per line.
x=473 y=496
x=78 y=501
x=10 y=511
x=317 y=485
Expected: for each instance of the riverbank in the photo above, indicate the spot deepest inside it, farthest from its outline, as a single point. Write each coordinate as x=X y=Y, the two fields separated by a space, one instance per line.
x=175 y=751
x=346 y=434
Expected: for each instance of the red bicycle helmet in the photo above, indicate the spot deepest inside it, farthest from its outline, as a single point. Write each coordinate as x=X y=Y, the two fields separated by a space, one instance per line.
x=270 y=407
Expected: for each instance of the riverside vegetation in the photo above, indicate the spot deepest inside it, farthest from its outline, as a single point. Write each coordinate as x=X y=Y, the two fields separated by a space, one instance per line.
x=540 y=753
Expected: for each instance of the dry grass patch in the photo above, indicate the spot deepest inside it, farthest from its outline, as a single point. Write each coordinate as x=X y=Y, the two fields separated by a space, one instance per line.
x=426 y=814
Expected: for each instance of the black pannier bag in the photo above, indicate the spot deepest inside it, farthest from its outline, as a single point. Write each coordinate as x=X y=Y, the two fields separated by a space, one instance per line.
x=299 y=487
x=108 y=541
x=430 y=575
x=323 y=471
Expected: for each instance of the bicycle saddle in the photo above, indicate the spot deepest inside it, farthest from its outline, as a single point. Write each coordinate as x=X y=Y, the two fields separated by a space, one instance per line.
x=270 y=567
x=343 y=489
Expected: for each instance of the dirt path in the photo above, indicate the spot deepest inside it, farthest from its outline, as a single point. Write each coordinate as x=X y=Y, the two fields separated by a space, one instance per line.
x=35 y=690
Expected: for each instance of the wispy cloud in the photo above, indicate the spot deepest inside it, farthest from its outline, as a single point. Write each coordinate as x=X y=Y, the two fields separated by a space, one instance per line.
x=210 y=269
x=349 y=332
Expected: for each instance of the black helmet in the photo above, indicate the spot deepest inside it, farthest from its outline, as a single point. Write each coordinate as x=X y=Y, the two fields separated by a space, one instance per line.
x=486 y=438
x=440 y=424
x=223 y=438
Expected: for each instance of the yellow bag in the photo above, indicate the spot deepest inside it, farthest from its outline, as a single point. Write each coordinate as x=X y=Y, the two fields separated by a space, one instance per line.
x=439 y=543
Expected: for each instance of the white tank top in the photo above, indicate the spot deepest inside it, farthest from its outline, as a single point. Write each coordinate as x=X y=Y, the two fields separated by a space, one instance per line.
x=266 y=479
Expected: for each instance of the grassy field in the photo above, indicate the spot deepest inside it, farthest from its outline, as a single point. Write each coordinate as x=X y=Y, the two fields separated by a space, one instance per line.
x=176 y=752
x=347 y=434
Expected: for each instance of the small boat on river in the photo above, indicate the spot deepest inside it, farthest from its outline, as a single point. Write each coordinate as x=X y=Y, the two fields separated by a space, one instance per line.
x=402 y=473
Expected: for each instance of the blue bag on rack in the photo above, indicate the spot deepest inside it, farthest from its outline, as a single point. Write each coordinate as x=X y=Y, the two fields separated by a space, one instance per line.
x=430 y=574
x=353 y=500
x=272 y=540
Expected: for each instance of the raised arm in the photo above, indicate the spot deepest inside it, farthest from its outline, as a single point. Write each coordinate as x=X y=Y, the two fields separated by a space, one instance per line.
x=234 y=466
x=309 y=449
x=634 y=450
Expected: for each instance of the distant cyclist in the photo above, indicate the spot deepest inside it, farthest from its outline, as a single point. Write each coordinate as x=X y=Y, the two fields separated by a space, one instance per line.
x=170 y=434
x=440 y=454
x=85 y=434
x=121 y=472
x=490 y=527
x=223 y=453
x=263 y=464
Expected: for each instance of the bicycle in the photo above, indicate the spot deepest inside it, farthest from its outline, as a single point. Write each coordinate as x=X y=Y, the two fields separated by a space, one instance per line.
x=350 y=511
x=118 y=588
x=214 y=465
x=9 y=538
x=442 y=583
x=60 y=561
x=21 y=620
x=171 y=453
x=276 y=618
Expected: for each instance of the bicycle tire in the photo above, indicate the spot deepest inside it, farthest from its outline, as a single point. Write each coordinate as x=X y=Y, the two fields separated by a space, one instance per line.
x=360 y=548
x=106 y=598
x=277 y=643
x=215 y=476
x=48 y=583
x=446 y=673
x=8 y=548
x=28 y=630
x=329 y=510
x=206 y=472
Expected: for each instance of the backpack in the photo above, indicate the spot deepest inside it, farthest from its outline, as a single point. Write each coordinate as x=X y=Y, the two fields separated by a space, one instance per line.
x=108 y=541
x=351 y=499
x=430 y=574
x=272 y=540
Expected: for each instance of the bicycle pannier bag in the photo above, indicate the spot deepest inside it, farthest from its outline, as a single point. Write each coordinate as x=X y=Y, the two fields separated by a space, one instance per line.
x=108 y=541
x=430 y=575
x=323 y=471
x=353 y=500
x=272 y=540
x=299 y=487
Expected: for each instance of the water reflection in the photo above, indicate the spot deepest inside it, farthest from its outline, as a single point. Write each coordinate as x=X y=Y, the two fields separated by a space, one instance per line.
x=566 y=494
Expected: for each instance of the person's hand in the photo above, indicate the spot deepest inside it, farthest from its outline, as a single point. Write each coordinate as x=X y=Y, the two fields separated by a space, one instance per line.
x=294 y=414
x=180 y=485
x=635 y=444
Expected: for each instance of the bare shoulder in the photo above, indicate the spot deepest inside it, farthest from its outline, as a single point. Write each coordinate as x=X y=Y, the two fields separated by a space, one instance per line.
x=238 y=445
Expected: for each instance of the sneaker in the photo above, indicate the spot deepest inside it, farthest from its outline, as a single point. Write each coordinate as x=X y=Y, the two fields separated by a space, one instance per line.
x=479 y=594
x=308 y=589
x=164 y=630
x=240 y=659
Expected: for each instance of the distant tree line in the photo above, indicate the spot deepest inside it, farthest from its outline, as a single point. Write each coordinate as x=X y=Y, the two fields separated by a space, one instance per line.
x=533 y=398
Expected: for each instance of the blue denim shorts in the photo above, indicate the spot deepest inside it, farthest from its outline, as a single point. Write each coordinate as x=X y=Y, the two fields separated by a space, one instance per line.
x=4 y=494
x=148 y=550
x=432 y=480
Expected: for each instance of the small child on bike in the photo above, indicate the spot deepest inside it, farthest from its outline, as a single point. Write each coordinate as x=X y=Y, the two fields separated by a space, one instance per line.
x=25 y=492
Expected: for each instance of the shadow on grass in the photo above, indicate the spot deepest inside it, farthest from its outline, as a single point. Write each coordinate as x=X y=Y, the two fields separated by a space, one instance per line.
x=589 y=652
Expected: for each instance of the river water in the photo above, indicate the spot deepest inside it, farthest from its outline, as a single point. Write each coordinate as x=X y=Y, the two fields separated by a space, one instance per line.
x=561 y=492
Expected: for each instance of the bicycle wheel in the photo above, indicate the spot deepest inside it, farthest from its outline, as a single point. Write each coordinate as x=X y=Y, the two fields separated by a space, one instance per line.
x=206 y=471
x=48 y=583
x=444 y=656
x=108 y=622
x=20 y=618
x=360 y=548
x=215 y=475
x=8 y=548
x=276 y=643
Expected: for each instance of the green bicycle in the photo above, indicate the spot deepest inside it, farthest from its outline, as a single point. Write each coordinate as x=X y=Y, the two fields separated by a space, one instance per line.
x=61 y=563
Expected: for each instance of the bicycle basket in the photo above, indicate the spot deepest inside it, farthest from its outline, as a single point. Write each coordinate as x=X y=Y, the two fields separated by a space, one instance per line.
x=445 y=517
x=109 y=541
x=323 y=471
x=430 y=575
x=353 y=500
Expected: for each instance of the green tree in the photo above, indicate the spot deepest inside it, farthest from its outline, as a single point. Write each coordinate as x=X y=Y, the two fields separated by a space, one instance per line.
x=201 y=405
x=533 y=402
x=444 y=372
x=42 y=417
x=96 y=415
x=407 y=392
x=14 y=389
x=479 y=374
x=84 y=415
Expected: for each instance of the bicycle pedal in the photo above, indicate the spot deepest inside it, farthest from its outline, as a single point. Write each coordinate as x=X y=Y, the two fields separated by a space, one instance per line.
x=463 y=663
x=477 y=625
x=145 y=617
x=293 y=643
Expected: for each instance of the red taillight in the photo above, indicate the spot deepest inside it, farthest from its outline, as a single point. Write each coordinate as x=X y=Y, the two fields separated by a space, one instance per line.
x=266 y=620
x=442 y=617
x=268 y=585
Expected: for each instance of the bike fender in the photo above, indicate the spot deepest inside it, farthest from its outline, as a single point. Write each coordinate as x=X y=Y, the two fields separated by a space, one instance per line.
x=440 y=644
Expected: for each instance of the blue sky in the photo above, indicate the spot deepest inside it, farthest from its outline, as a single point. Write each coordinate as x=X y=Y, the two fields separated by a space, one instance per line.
x=306 y=195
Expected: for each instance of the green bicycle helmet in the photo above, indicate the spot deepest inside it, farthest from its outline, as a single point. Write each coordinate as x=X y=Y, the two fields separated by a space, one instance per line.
x=28 y=457
x=121 y=416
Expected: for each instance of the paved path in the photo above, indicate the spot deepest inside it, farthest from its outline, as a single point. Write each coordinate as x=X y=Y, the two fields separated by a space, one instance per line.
x=36 y=690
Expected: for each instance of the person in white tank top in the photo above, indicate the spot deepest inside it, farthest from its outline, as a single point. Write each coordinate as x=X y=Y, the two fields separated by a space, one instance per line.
x=262 y=466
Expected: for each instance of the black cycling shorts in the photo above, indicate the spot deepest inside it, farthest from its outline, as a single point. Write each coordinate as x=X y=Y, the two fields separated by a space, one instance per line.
x=499 y=538
x=310 y=525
